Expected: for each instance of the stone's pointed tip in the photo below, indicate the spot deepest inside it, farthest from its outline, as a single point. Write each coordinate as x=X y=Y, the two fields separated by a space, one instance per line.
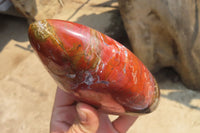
x=40 y=30
x=37 y=24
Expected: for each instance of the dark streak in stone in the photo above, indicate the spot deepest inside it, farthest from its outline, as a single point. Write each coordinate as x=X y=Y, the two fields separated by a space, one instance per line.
x=103 y=82
x=78 y=46
x=154 y=14
x=194 y=35
x=175 y=49
x=196 y=26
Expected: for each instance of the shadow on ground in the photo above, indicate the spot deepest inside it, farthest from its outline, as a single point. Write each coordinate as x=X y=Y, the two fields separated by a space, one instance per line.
x=106 y=4
x=9 y=27
x=178 y=92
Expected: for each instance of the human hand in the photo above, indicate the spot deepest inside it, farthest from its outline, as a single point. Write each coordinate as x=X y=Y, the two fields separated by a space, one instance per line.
x=82 y=118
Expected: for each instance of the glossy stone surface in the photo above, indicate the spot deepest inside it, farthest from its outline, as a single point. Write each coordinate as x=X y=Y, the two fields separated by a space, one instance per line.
x=94 y=68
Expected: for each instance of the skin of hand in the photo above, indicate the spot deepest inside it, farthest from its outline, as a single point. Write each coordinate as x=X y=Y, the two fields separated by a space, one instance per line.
x=68 y=117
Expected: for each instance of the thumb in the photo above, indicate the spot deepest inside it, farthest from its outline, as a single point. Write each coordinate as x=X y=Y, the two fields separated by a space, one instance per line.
x=88 y=120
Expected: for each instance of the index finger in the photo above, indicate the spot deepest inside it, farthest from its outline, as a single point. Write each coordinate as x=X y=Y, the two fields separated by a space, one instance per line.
x=123 y=123
x=63 y=98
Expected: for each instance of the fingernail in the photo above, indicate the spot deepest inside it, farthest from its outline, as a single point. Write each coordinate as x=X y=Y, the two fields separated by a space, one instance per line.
x=82 y=114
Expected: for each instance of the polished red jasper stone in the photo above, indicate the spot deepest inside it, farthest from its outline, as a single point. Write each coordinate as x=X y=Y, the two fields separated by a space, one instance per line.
x=94 y=68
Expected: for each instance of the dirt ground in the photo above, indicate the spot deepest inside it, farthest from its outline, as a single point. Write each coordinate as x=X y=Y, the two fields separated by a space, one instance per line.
x=27 y=91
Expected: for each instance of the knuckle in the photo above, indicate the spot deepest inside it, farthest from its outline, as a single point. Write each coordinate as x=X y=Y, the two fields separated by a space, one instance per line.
x=78 y=128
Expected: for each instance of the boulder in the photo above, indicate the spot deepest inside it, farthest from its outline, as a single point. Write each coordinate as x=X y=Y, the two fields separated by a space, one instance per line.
x=27 y=8
x=165 y=33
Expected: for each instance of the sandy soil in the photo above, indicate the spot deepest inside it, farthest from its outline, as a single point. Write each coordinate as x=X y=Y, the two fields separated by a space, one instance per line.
x=27 y=91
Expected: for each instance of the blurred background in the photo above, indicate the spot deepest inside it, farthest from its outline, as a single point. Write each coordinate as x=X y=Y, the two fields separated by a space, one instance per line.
x=164 y=34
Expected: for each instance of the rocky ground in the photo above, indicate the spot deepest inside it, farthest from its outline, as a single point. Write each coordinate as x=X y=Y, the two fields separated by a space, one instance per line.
x=27 y=91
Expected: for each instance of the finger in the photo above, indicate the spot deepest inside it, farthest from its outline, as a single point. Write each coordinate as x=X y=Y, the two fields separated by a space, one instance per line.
x=63 y=98
x=123 y=123
x=62 y=118
x=105 y=124
x=88 y=120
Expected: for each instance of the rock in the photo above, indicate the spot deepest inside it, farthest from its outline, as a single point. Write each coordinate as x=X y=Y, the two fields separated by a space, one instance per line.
x=26 y=7
x=165 y=33
x=6 y=7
